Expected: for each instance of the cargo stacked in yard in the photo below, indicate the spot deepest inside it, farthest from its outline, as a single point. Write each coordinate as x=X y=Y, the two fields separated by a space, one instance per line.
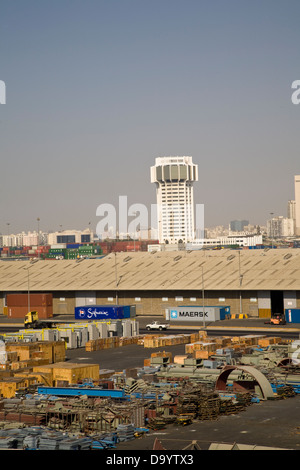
x=18 y=305
x=104 y=312
x=70 y=251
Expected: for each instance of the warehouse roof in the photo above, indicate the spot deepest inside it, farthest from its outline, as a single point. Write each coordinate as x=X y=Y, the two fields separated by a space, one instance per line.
x=181 y=270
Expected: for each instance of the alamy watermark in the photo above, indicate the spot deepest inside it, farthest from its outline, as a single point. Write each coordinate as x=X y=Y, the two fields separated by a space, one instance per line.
x=296 y=352
x=296 y=94
x=137 y=219
x=2 y=92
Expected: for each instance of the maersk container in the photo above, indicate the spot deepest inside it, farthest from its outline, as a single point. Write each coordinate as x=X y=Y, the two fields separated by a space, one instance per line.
x=195 y=313
x=292 y=315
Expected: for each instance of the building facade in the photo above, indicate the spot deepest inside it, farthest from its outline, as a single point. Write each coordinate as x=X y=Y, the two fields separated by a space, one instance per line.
x=291 y=213
x=279 y=227
x=297 y=204
x=238 y=225
x=70 y=236
x=174 y=178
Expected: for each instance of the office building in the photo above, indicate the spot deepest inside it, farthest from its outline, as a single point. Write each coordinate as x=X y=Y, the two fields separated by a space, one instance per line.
x=297 y=204
x=174 y=178
x=279 y=227
x=291 y=213
x=238 y=225
x=71 y=236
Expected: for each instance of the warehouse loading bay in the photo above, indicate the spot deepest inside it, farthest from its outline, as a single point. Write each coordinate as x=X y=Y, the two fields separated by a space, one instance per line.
x=191 y=387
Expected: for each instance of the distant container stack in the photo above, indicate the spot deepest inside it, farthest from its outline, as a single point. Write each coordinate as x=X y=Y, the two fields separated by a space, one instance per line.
x=105 y=312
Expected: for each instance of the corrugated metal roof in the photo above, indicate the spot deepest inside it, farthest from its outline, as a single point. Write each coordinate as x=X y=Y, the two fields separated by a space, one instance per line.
x=261 y=270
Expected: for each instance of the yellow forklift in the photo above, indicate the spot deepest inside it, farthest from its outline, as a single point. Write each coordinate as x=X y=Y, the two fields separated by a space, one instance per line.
x=276 y=319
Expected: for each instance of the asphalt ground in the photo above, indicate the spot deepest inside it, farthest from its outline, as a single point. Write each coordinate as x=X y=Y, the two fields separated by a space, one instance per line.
x=268 y=424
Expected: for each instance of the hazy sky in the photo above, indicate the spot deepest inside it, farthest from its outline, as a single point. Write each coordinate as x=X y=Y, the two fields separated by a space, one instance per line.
x=97 y=89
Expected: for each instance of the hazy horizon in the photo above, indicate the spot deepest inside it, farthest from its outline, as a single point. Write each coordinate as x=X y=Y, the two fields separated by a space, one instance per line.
x=96 y=90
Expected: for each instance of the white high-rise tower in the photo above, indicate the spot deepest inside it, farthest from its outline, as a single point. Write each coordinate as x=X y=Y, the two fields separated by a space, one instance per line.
x=174 y=178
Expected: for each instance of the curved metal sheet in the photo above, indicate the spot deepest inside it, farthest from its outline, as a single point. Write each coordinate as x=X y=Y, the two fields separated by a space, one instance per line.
x=261 y=379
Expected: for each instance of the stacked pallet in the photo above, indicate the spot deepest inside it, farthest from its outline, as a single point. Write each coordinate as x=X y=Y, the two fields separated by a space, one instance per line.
x=233 y=406
x=199 y=403
x=157 y=341
x=200 y=346
x=209 y=408
x=265 y=342
x=111 y=342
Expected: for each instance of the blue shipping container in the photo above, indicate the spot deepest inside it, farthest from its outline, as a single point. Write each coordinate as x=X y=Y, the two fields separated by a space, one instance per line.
x=126 y=311
x=102 y=312
x=223 y=312
x=99 y=312
x=292 y=315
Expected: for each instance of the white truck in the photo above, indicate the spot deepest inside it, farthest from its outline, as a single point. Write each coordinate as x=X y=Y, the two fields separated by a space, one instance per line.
x=156 y=325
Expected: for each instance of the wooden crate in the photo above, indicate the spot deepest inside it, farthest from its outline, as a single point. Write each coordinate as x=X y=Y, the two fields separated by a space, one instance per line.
x=9 y=386
x=264 y=342
x=180 y=359
x=54 y=351
x=69 y=372
x=204 y=354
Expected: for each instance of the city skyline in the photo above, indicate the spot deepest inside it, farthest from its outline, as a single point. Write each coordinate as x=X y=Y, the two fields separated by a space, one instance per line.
x=96 y=91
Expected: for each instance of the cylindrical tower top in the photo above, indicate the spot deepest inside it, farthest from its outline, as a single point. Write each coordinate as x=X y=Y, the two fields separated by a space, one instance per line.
x=169 y=169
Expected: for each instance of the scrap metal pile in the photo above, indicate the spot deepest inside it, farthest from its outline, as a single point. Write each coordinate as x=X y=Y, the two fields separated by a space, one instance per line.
x=198 y=402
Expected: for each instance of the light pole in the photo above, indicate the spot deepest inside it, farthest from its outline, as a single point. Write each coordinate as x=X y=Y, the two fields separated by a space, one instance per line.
x=241 y=280
x=8 y=251
x=203 y=296
x=38 y=236
x=117 y=280
x=271 y=227
x=28 y=288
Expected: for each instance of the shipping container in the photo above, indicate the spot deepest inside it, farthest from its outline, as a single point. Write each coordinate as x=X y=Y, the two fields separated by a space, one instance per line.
x=292 y=315
x=129 y=311
x=21 y=300
x=104 y=312
x=73 y=246
x=195 y=313
x=20 y=312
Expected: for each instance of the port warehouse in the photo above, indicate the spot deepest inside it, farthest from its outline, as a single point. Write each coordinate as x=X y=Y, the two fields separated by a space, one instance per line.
x=256 y=282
